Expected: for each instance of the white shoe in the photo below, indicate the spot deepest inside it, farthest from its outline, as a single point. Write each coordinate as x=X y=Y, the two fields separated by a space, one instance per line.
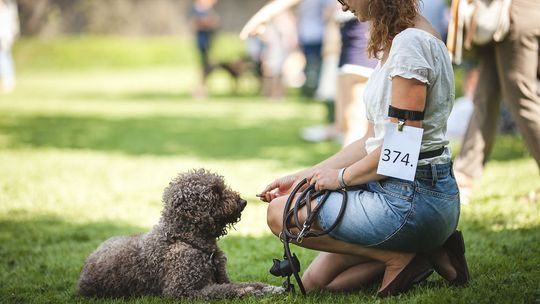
x=316 y=133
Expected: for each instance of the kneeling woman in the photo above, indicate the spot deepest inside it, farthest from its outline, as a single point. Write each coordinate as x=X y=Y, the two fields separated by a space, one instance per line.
x=393 y=229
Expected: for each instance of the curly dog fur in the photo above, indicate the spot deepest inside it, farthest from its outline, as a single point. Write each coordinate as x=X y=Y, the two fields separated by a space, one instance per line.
x=179 y=257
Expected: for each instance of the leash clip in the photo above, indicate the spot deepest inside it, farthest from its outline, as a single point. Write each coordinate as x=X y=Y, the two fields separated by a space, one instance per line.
x=400 y=125
x=302 y=233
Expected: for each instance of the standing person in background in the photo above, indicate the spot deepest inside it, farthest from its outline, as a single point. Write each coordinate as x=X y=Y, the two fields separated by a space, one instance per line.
x=274 y=25
x=326 y=90
x=205 y=22
x=355 y=67
x=311 y=25
x=507 y=71
x=279 y=37
x=9 y=30
x=353 y=71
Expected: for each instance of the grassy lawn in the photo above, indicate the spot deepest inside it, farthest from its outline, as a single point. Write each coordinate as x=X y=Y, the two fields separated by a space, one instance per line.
x=87 y=148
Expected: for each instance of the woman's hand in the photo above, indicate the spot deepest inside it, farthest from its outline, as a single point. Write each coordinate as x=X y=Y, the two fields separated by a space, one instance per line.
x=325 y=179
x=279 y=187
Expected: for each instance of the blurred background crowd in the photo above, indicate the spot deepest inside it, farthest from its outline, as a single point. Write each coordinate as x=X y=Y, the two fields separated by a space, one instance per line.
x=311 y=45
x=308 y=48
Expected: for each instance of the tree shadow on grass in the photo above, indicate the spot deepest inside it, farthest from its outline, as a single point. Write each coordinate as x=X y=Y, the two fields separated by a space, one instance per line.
x=157 y=96
x=41 y=257
x=197 y=136
x=161 y=96
x=207 y=138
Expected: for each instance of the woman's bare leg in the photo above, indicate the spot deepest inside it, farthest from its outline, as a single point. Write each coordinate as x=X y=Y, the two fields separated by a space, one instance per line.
x=341 y=272
x=393 y=260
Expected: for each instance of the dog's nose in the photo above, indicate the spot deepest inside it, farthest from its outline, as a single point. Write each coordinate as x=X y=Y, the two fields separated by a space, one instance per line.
x=243 y=203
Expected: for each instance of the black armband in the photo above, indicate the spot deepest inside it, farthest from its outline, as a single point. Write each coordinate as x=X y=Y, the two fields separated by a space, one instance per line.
x=405 y=114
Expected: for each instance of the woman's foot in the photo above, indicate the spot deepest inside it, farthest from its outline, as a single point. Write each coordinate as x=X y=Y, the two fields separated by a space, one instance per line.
x=442 y=265
x=400 y=277
x=449 y=260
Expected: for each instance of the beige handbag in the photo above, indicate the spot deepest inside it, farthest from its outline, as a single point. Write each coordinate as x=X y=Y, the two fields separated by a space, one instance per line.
x=486 y=21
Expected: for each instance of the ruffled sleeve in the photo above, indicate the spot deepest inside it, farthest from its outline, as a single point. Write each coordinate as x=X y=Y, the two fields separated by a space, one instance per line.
x=411 y=57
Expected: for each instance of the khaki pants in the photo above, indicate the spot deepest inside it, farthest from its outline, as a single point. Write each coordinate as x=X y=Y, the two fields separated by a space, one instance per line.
x=507 y=71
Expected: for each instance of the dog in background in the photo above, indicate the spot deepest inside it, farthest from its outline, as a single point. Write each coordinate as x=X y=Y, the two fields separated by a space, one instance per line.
x=241 y=71
x=179 y=257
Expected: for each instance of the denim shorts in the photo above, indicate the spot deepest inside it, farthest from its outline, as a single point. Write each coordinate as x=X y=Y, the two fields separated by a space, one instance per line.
x=396 y=214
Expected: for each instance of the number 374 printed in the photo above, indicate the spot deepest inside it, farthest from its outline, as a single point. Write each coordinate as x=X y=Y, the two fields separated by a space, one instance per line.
x=396 y=156
x=400 y=151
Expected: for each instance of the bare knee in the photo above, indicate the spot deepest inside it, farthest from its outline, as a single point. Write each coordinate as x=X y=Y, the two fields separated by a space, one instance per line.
x=313 y=281
x=274 y=216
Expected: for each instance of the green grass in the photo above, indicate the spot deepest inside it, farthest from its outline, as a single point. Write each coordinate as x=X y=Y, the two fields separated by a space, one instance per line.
x=86 y=152
x=76 y=52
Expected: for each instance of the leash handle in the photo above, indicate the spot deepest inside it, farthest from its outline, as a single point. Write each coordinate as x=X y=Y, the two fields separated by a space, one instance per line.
x=286 y=236
x=289 y=202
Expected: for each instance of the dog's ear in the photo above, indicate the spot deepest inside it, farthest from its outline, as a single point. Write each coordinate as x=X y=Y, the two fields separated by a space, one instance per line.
x=217 y=188
x=216 y=185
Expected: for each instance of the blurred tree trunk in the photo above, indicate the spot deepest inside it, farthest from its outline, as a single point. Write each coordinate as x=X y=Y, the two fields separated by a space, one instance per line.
x=32 y=15
x=123 y=17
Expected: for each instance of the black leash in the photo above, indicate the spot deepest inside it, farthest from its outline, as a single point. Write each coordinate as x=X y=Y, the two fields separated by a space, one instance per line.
x=290 y=264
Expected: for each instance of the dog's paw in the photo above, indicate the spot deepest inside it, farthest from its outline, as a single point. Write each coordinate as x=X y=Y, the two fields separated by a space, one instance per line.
x=274 y=290
x=248 y=290
x=260 y=290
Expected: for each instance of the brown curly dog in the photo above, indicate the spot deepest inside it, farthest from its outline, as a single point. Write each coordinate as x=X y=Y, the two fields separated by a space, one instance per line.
x=179 y=257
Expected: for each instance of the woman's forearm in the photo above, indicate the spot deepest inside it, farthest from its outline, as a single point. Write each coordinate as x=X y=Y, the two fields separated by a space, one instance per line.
x=364 y=170
x=348 y=155
x=344 y=158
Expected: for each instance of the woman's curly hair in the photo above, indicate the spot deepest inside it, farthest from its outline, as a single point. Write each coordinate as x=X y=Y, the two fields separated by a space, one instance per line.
x=389 y=18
